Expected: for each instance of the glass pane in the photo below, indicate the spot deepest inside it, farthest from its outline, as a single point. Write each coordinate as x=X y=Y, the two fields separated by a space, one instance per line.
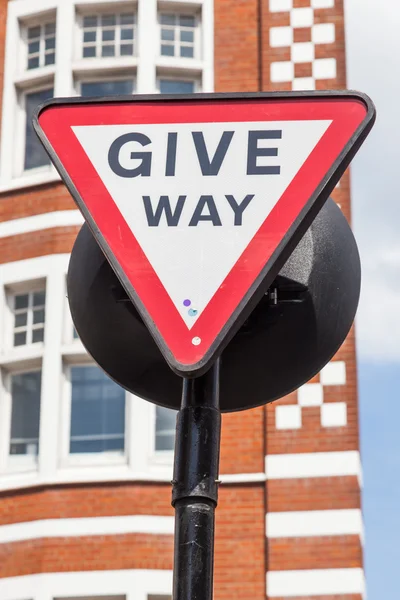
x=75 y=335
x=106 y=88
x=25 y=413
x=187 y=36
x=33 y=47
x=50 y=43
x=97 y=412
x=170 y=86
x=38 y=316
x=108 y=35
x=21 y=301
x=108 y=50
x=167 y=19
x=50 y=59
x=35 y=155
x=187 y=51
x=89 y=51
x=167 y=50
x=21 y=319
x=37 y=335
x=165 y=428
x=186 y=21
x=33 y=63
x=89 y=36
x=107 y=20
x=39 y=298
x=90 y=21
x=20 y=338
x=168 y=34
x=126 y=34
x=127 y=19
x=33 y=32
x=126 y=50
x=50 y=29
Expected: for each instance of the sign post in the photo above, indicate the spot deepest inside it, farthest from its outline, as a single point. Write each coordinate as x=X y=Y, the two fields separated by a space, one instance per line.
x=197 y=202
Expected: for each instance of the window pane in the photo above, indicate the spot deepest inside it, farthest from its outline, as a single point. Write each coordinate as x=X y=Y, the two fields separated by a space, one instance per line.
x=167 y=19
x=170 y=86
x=186 y=21
x=168 y=34
x=108 y=35
x=50 y=59
x=187 y=51
x=33 y=47
x=167 y=50
x=37 y=335
x=21 y=319
x=50 y=29
x=35 y=155
x=33 y=63
x=25 y=413
x=33 y=32
x=38 y=316
x=108 y=20
x=106 y=88
x=97 y=412
x=89 y=36
x=108 y=51
x=187 y=36
x=127 y=50
x=50 y=43
x=90 y=21
x=165 y=428
x=89 y=52
x=127 y=19
x=39 y=298
x=126 y=34
x=21 y=301
x=20 y=338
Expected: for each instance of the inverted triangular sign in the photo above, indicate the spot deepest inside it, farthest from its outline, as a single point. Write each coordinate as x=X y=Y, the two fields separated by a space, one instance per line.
x=197 y=201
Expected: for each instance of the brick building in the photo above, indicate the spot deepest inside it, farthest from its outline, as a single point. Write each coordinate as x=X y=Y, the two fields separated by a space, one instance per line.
x=85 y=467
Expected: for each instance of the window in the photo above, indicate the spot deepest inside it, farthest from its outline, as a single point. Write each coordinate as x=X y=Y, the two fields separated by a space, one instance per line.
x=35 y=154
x=108 y=35
x=29 y=317
x=107 y=88
x=165 y=428
x=178 y=35
x=25 y=413
x=41 y=45
x=176 y=86
x=97 y=412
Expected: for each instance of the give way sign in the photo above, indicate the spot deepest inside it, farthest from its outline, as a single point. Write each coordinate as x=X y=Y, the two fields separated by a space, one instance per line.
x=197 y=201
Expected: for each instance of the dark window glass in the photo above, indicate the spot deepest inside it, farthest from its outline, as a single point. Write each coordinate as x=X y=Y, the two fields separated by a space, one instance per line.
x=172 y=86
x=35 y=155
x=108 y=51
x=187 y=51
x=89 y=51
x=90 y=21
x=167 y=50
x=106 y=88
x=126 y=50
x=25 y=413
x=165 y=428
x=97 y=412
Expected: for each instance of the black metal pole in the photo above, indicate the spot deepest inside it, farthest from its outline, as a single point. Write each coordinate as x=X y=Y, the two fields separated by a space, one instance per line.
x=195 y=486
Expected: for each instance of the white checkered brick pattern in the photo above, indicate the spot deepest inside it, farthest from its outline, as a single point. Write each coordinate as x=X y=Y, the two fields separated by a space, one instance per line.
x=333 y=414
x=303 y=70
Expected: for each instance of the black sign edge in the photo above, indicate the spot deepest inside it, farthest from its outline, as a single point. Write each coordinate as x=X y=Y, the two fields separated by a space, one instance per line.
x=284 y=249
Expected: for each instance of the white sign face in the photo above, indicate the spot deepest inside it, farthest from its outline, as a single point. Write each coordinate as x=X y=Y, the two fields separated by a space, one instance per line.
x=192 y=193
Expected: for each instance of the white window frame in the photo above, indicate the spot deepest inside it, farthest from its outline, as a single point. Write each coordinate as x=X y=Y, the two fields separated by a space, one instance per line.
x=11 y=291
x=24 y=26
x=16 y=463
x=145 y=68
x=76 y=459
x=197 y=30
x=30 y=327
x=103 y=9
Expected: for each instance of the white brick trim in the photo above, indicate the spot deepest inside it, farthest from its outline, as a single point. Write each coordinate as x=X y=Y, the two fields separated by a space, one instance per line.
x=316 y=582
x=313 y=523
x=314 y=464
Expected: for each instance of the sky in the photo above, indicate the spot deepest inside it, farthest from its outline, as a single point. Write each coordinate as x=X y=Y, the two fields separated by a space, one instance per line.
x=373 y=55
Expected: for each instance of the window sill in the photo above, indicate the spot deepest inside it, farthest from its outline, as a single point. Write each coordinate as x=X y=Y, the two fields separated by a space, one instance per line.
x=31 y=180
x=104 y=66
x=35 y=77
x=22 y=357
x=181 y=66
